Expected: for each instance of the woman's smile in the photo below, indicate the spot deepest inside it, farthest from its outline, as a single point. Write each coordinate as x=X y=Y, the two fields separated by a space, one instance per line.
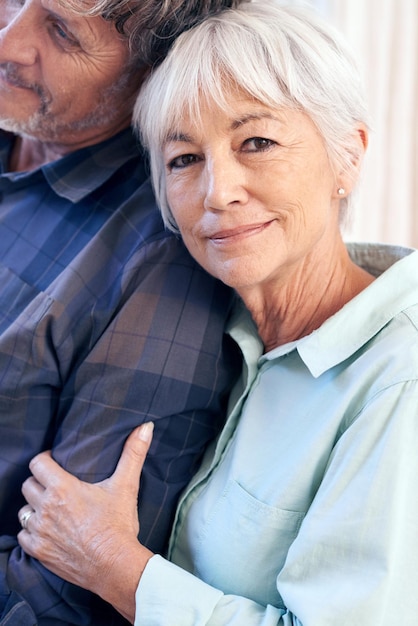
x=236 y=235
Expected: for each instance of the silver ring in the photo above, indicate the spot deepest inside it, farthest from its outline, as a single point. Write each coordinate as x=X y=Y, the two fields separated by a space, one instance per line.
x=24 y=518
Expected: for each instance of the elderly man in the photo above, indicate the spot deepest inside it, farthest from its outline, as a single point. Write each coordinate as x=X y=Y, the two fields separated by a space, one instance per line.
x=105 y=321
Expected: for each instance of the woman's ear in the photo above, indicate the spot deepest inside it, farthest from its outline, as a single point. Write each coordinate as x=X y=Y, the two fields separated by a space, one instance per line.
x=363 y=134
x=348 y=178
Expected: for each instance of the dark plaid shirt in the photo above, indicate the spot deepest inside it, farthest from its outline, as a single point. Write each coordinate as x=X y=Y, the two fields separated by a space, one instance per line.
x=105 y=322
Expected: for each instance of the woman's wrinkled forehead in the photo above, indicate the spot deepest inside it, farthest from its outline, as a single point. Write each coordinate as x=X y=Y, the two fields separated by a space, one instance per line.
x=189 y=115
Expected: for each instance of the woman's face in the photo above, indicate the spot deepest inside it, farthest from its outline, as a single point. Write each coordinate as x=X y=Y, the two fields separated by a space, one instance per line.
x=252 y=191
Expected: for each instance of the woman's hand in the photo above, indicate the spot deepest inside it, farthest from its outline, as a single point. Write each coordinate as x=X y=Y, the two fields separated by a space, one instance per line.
x=87 y=534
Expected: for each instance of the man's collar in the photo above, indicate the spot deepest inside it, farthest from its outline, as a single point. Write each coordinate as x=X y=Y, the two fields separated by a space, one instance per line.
x=79 y=173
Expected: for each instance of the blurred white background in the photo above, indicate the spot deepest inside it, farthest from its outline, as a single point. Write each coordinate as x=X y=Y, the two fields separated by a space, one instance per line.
x=384 y=37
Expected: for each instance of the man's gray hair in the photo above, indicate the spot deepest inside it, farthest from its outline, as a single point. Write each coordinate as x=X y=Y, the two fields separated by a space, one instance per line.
x=283 y=56
x=151 y=26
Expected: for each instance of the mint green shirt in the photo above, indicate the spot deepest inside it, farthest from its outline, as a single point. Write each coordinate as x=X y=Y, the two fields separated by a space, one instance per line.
x=306 y=510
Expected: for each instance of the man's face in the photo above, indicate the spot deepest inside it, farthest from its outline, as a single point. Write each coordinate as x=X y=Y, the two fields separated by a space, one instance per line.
x=63 y=78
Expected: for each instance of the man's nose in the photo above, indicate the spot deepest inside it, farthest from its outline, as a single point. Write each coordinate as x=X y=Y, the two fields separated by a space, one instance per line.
x=17 y=35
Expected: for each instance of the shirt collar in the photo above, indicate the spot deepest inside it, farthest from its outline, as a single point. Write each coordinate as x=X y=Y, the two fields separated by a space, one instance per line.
x=79 y=173
x=394 y=290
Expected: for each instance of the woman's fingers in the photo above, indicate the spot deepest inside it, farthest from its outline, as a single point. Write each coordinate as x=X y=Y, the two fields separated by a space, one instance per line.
x=79 y=530
x=47 y=473
x=69 y=512
x=24 y=515
x=45 y=469
x=128 y=470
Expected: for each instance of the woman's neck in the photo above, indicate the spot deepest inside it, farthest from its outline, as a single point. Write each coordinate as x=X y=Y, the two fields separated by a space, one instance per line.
x=289 y=309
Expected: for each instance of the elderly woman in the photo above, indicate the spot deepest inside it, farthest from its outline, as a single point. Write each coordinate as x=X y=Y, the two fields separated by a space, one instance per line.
x=304 y=512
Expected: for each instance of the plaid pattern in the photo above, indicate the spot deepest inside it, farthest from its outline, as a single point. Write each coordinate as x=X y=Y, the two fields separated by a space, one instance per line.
x=105 y=322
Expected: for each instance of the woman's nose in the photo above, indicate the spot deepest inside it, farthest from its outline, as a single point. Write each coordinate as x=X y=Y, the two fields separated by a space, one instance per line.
x=225 y=184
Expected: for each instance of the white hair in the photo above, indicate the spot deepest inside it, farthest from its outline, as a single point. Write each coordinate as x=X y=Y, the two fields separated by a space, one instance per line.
x=283 y=56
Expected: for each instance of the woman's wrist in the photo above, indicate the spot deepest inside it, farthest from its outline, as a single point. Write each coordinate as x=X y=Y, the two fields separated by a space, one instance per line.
x=120 y=577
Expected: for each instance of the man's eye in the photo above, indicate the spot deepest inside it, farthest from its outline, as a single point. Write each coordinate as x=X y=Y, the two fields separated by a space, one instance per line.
x=63 y=35
x=182 y=161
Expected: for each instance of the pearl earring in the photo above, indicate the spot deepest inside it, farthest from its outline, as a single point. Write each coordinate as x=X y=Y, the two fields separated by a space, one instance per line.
x=341 y=191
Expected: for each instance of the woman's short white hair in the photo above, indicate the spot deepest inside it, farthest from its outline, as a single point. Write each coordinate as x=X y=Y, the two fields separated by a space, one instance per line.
x=280 y=55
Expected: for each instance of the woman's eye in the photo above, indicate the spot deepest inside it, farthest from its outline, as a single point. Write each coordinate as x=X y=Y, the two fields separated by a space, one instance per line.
x=258 y=144
x=182 y=161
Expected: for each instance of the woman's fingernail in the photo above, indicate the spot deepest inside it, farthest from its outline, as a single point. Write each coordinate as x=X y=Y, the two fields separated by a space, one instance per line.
x=145 y=432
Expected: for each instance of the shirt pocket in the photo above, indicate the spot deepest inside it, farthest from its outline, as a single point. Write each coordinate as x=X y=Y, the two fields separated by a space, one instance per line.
x=244 y=545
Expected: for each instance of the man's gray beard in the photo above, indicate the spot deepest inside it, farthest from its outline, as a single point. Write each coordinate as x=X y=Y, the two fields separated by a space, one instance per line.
x=43 y=125
x=29 y=128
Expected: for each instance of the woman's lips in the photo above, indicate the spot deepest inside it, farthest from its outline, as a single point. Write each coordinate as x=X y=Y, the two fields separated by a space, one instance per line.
x=240 y=232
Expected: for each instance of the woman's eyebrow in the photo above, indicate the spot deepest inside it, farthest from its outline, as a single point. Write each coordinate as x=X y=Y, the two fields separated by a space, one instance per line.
x=173 y=136
x=251 y=117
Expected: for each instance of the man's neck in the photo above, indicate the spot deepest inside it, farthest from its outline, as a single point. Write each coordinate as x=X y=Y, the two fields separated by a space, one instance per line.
x=28 y=154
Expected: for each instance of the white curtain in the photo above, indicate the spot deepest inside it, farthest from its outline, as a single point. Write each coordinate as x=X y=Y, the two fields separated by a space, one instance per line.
x=384 y=37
